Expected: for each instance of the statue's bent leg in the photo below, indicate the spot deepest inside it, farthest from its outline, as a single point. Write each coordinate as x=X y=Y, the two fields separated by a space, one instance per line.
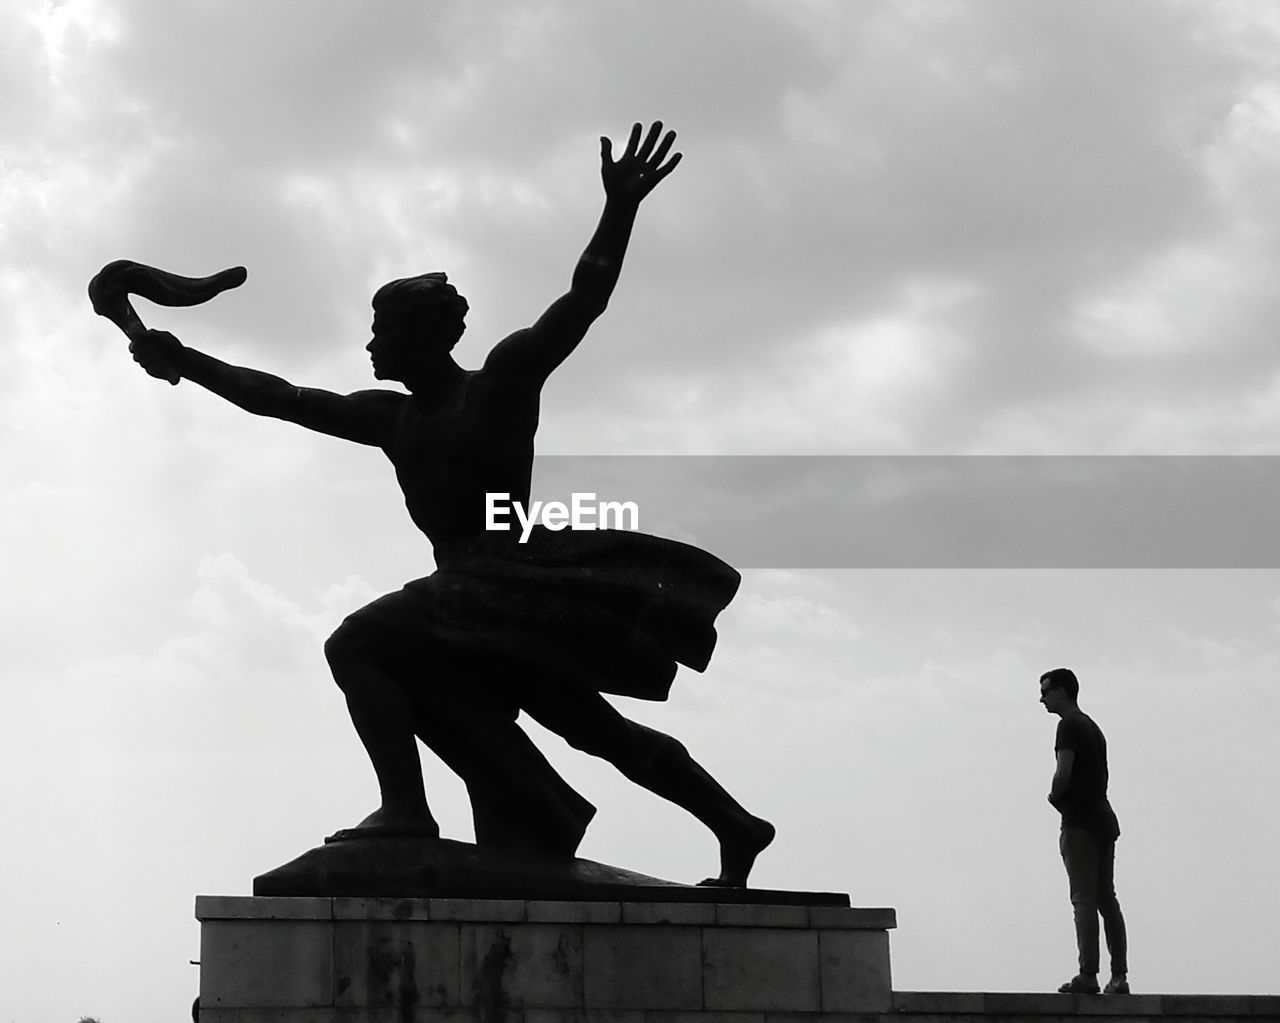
x=382 y=714
x=657 y=762
x=401 y=684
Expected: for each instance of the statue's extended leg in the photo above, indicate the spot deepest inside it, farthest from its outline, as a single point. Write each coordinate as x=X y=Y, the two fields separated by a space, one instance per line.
x=663 y=765
x=659 y=763
x=383 y=717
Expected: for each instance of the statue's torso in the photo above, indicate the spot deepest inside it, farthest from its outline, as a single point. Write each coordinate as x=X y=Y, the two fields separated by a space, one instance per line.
x=449 y=454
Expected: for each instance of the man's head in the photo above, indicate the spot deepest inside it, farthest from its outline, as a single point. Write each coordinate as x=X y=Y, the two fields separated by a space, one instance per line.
x=1059 y=690
x=418 y=315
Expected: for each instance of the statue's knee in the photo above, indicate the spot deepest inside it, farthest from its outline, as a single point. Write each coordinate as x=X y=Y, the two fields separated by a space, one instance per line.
x=594 y=744
x=345 y=646
x=623 y=744
x=665 y=752
x=334 y=647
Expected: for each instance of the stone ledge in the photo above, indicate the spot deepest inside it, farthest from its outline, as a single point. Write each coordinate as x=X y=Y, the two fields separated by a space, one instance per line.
x=994 y=1004
x=262 y=907
x=395 y=1015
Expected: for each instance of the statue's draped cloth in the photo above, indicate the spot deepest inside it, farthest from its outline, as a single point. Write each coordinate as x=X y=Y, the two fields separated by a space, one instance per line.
x=612 y=610
x=606 y=610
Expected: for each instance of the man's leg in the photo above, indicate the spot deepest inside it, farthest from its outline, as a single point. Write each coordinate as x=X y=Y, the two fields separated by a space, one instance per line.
x=657 y=762
x=1112 y=918
x=1080 y=856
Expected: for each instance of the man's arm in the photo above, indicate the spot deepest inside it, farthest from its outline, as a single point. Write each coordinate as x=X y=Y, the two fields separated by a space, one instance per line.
x=532 y=353
x=365 y=417
x=1061 y=776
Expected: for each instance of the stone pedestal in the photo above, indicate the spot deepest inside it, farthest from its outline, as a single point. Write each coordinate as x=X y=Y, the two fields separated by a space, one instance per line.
x=374 y=960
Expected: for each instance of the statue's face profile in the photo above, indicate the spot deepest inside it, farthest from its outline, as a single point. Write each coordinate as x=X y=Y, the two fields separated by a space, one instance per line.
x=393 y=349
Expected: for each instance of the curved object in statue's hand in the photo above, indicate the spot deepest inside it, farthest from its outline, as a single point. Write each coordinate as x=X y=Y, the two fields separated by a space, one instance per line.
x=111 y=287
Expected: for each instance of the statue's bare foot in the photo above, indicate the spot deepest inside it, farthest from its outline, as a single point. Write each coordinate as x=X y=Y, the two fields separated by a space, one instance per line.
x=738 y=851
x=391 y=823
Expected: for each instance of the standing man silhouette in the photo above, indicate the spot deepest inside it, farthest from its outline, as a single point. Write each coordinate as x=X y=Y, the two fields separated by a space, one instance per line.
x=1089 y=833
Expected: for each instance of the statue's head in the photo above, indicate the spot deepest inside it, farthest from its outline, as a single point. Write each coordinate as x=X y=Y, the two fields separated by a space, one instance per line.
x=426 y=307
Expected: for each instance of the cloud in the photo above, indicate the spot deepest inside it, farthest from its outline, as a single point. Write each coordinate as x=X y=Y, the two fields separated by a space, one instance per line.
x=1077 y=173
x=245 y=645
x=763 y=629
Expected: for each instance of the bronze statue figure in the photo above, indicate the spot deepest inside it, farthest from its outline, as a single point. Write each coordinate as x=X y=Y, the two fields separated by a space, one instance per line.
x=501 y=627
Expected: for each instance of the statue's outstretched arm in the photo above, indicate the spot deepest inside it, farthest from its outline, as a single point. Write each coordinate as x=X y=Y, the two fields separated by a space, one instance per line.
x=364 y=417
x=538 y=350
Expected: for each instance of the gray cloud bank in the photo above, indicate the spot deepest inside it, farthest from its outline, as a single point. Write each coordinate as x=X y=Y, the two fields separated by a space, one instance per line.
x=1009 y=226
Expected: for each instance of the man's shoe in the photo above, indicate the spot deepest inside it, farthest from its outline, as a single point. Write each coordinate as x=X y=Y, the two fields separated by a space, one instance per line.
x=1116 y=987
x=1080 y=985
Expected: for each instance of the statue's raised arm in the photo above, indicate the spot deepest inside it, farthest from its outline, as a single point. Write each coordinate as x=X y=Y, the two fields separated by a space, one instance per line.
x=530 y=355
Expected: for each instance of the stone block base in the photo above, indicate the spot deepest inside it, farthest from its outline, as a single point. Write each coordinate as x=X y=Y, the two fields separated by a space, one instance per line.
x=366 y=960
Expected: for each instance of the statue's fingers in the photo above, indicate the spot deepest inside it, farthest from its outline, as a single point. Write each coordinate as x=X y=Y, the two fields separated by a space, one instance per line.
x=633 y=142
x=663 y=171
x=660 y=153
x=157 y=366
x=650 y=140
x=163 y=371
x=606 y=151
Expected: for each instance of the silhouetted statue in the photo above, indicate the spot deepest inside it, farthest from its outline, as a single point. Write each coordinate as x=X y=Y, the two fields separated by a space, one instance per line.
x=501 y=627
x=1089 y=832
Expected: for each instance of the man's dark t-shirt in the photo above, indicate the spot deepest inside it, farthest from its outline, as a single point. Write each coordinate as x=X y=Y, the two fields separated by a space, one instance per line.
x=1084 y=804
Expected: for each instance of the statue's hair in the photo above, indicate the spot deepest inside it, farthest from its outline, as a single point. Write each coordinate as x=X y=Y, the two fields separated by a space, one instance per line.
x=1064 y=679
x=430 y=298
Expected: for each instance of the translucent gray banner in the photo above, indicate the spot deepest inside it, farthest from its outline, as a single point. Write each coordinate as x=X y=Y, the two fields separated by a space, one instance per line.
x=945 y=512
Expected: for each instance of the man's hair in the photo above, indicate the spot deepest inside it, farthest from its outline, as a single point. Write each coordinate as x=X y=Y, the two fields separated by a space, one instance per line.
x=1064 y=679
x=430 y=299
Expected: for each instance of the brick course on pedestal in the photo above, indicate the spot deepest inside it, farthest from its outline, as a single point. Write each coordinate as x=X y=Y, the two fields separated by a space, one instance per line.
x=352 y=960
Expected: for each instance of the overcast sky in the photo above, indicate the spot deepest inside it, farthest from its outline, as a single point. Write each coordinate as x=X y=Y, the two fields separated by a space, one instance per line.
x=901 y=228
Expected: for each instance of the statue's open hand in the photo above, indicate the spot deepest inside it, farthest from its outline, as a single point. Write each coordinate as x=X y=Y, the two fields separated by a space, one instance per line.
x=157 y=351
x=639 y=169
